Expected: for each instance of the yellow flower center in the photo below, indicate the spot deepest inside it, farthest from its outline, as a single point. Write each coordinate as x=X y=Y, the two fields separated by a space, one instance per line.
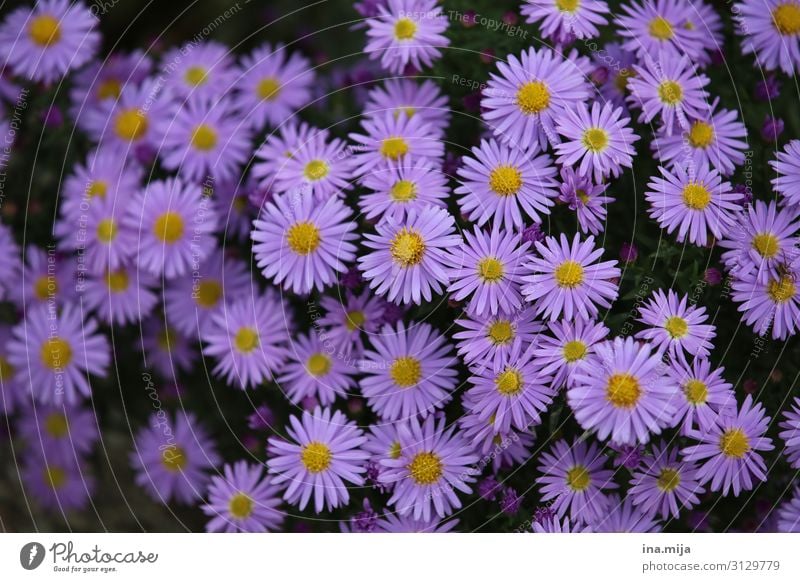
x=173 y=458
x=6 y=369
x=106 y=230
x=569 y=274
x=696 y=391
x=394 y=147
x=701 y=134
x=670 y=92
x=240 y=506
x=355 y=319
x=117 y=281
x=595 y=139
x=509 y=382
x=208 y=293
x=505 y=180
x=196 y=76
x=407 y=109
x=246 y=340
x=406 y=371
x=621 y=80
x=787 y=18
x=660 y=28
x=582 y=196
x=54 y=477
x=45 y=286
x=578 y=478
x=533 y=97
x=696 y=196
x=574 y=350
x=55 y=353
x=490 y=270
x=677 y=327
x=319 y=364
x=734 y=443
x=109 y=89
x=403 y=191
x=426 y=468
x=568 y=5
x=316 y=457
x=168 y=227
x=97 y=189
x=56 y=425
x=166 y=339
x=782 y=290
x=500 y=332
x=407 y=248
x=204 y=138
x=405 y=29
x=395 y=450
x=766 y=244
x=268 y=89
x=130 y=124
x=44 y=30
x=668 y=480
x=303 y=238
x=316 y=170
x=623 y=390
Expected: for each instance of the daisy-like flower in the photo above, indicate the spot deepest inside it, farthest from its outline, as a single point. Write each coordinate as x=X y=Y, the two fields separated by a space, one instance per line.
x=670 y=88
x=790 y=434
x=175 y=221
x=172 y=456
x=44 y=42
x=166 y=350
x=274 y=84
x=623 y=516
x=623 y=393
x=488 y=271
x=574 y=481
x=13 y=392
x=248 y=339
x=505 y=449
x=279 y=147
x=774 y=303
x=566 y=280
x=407 y=32
x=717 y=138
x=347 y=321
x=664 y=485
x=502 y=182
x=704 y=393
x=47 y=277
x=789 y=514
x=655 y=27
x=204 y=69
x=394 y=139
x=600 y=139
x=729 y=449
x=400 y=187
x=433 y=464
x=56 y=482
x=323 y=454
x=567 y=346
x=302 y=244
x=243 y=499
x=120 y=296
x=587 y=199
x=693 y=201
x=676 y=326
x=617 y=65
x=771 y=31
x=409 y=261
x=56 y=352
x=554 y=525
x=231 y=201
x=63 y=431
x=313 y=370
x=787 y=167
x=564 y=20
x=203 y=137
x=763 y=239
x=524 y=101
x=391 y=523
x=409 y=372
x=490 y=341
x=703 y=17
x=407 y=96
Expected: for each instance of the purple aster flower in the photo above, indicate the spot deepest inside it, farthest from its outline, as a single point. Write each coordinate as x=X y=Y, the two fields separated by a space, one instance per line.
x=768 y=88
x=248 y=340
x=694 y=201
x=676 y=326
x=655 y=27
x=323 y=454
x=398 y=188
x=623 y=393
x=774 y=303
x=166 y=350
x=670 y=88
x=301 y=244
x=704 y=394
x=13 y=392
x=10 y=265
x=728 y=449
x=409 y=261
x=383 y=442
x=120 y=296
x=586 y=199
x=47 y=278
x=574 y=480
x=600 y=139
x=175 y=222
x=619 y=63
x=703 y=19
x=787 y=168
x=231 y=203
x=488 y=271
x=315 y=370
x=434 y=463
x=365 y=521
x=506 y=185
x=789 y=514
x=279 y=147
x=392 y=523
x=198 y=70
x=57 y=483
x=771 y=129
x=566 y=19
x=566 y=279
x=510 y=502
x=628 y=252
x=664 y=485
x=524 y=101
x=56 y=352
x=555 y=525
x=488 y=488
x=44 y=42
x=64 y=432
x=406 y=32
x=533 y=233
x=410 y=372
x=791 y=433
x=771 y=31
x=347 y=321
x=628 y=456
x=505 y=449
x=243 y=499
x=407 y=96
x=568 y=344
x=172 y=457
x=261 y=419
x=622 y=516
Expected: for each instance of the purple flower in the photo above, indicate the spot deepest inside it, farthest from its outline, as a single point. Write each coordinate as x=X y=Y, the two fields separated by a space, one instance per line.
x=568 y=344
x=314 y=370
x=59 y=484
x=771 y=31
x=624 y=517
x=655 y=27
x=120 y=296
x=510 y=502
x=166 y=350
x=774 y=303
x=586 y=199
x=555 y=525
x=771 y=129
x=704 y=394
x=789 y=514
x=769 y=88
x=628 y=252
x=664 y=485
x=488 y=488
x=565 y=20
x=400 y=187
x=198 y=69
x=787 y=166
x=675 y=326
x=242 y=499
x=791 y=433
x=348 y=320
x=392 y=523
x=64 y=431
x=411 y=98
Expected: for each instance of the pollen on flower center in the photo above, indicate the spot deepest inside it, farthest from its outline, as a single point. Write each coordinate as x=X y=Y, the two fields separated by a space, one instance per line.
x=316 y=170
x=677 y=327
x=204 y=137
x=405 y=29
x=569 y=6
x=196 y=76
x=766 y=244
x=56 y=425
x=354 y=320
x=240 y=506
x=661 y=28
x=533 y=97
x=781 y=290
x=490 y=270
x=316 y=457
x=395 y=450
x=670 y=92
x=569 y=274
x=394 y=147
x=701 y=134
x=45 y=286
x=696 y=196
x=509 y=382
x=97 y=189
x=106 y=230
x=54 y=477
x=403 y=191
x=109 y=89
x=621 y=80
x=505 y=180
x=787 y=18
x=6 y=370
x=574 y=350
x=166 y=339
x=623 y=390
x=246 y=340
x=582 y=196
x=407 y=248
x=501 y=332
x=734 y=443
x=578 y=478
x=595 y=139
x=168 y=227
x=303 y=238
x=173 y=458
x=268 y=89
x=426 y=468
x=208 y=293
x=668 y=480
x=406 y=371
x=130 y=124
x=117 y=281
x=44 y=30
x=696 y=391
x=55 y=353
x=318 y=364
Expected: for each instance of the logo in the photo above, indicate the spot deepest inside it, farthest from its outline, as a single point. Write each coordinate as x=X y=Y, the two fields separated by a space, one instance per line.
x=31 y=555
